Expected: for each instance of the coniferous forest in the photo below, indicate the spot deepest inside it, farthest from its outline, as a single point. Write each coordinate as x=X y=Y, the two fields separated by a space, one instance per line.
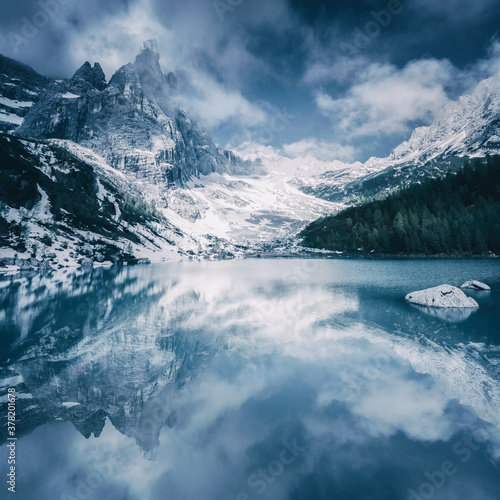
x=458 y=214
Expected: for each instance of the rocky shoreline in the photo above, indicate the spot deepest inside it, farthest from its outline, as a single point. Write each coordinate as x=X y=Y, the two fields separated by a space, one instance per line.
x=14 y=265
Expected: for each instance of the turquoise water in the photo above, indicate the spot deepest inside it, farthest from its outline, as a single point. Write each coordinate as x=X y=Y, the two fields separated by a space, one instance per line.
x=279 y=379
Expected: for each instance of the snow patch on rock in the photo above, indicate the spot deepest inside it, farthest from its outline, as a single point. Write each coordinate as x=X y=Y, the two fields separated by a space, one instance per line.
x=441 y=296
x=475 y=285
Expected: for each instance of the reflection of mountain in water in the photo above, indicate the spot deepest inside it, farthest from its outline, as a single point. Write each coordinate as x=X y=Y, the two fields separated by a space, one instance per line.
x=101 y=345
x=122 y=343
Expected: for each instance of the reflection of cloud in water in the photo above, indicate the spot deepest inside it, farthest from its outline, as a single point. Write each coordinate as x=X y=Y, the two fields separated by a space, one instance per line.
x=449 y=314
x=240 y=360
x=463 y=373
x=143 y=335
x=233 y=422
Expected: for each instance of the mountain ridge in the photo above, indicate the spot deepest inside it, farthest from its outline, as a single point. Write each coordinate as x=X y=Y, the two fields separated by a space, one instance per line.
x=16 y=100
x=467 y=127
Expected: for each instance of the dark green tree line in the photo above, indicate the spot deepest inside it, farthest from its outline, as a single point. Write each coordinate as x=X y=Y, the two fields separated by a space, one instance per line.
x=459 y=214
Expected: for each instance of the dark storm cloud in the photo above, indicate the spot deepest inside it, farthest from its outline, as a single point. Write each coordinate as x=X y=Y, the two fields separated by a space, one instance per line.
x=242 y=62
x=38 y=31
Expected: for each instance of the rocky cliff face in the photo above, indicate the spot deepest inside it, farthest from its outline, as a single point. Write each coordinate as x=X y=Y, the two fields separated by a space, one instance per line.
x=132 y=121
x=214 y=201
x=20 y=88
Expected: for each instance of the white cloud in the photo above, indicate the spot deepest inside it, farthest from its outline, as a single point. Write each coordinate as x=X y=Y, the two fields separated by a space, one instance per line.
x=319 y=149
x=484 y=68
x=386 y=100
x=115 y=42
x=405 y=405
x=215 y=101
x=253 y=150
x=340 y=70
x=307 y=157
x=215 y=104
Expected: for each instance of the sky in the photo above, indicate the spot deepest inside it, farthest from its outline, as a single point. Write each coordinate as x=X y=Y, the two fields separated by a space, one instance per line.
x=338 y=80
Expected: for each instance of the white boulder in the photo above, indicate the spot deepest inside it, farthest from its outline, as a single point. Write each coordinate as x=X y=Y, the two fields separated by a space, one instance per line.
x=441 y=296
x=475 y=285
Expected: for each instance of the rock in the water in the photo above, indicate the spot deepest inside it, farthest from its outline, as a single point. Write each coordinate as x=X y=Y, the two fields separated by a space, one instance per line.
x=441 y=296
x=475 y=285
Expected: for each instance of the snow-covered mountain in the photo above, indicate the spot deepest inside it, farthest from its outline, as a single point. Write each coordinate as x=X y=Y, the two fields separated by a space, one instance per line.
x=58 y=208
x=62 y=204
x=470 y=125
x=128 y=133
x=467 y=127
x=160 y=188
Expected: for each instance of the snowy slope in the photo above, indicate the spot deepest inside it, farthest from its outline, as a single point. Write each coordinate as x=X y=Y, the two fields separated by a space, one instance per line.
x=470 y=125
x=253 y=212
x=223 y=212
x=63 y=209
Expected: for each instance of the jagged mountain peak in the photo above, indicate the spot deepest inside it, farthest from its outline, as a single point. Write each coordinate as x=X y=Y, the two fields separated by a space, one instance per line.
x=147 y=63
x=125 y=79
x=151 y=45
x=149 y=57
x=93 y=75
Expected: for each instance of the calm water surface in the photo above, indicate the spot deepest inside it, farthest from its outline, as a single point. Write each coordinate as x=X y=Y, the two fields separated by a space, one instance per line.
x=259 y=379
